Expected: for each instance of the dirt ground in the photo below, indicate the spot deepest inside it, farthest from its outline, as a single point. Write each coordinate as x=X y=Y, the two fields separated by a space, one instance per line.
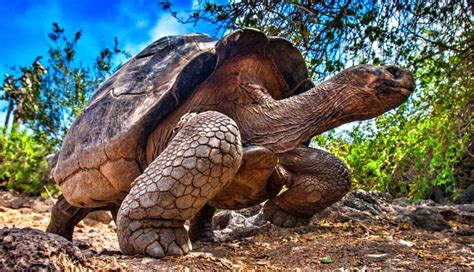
x=324 y=246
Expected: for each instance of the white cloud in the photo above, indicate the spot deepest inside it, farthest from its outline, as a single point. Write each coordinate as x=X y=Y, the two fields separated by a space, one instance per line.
x=196 y=4
x=142 y=23
x=166 y=25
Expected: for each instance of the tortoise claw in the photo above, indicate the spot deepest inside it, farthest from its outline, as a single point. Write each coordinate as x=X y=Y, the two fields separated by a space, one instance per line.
x=155 y=238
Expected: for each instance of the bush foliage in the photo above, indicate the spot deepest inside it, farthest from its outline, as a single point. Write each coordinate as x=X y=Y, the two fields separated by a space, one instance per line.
x=23 y=163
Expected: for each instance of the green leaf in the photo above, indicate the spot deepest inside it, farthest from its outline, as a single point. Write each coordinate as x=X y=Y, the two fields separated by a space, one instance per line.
x=326 y=260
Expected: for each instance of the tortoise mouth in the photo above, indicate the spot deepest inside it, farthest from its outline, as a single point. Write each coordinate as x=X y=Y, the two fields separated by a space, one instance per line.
x=406 y=92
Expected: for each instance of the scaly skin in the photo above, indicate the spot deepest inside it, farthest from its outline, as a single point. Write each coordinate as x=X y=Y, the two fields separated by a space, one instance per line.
x=201 y=159
x=250 y=185
x=315 y=180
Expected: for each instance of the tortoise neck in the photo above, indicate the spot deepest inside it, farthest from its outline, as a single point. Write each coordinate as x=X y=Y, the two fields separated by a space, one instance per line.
x=285 y=124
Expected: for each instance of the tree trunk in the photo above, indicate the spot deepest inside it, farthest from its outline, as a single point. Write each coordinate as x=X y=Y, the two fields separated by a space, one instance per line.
x=7 y=118
x=17 y=115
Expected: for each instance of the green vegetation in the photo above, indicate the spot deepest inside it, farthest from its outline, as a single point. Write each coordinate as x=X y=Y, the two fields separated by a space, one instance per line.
x=23 y=163
x=42 y=103
x=418 y=149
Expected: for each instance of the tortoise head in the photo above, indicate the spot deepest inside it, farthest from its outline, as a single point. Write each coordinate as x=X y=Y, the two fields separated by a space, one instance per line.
x=374 y=90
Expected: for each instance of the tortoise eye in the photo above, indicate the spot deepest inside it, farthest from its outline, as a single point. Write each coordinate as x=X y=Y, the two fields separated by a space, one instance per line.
x=395 y=71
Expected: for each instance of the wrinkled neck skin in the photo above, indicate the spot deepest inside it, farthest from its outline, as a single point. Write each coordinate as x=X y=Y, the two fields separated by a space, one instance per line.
x=282 y=125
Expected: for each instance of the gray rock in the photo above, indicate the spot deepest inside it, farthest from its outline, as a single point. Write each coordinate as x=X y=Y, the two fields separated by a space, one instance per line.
x=428 y=218
x=251 y=211
x=463 y=214
x=18 y=202
x=253 y=214
x=467 y=196
x=14 y=201
x=5 y=199
x=373 y=206
x=373 y=202
x=221 y=220
x=99 y=216
x=257 y=219
x=231 y=225
x=359 y=205
x=32 y=249
x=40 y=206
x=425 y=202
x=402 y=201
x=466 y=214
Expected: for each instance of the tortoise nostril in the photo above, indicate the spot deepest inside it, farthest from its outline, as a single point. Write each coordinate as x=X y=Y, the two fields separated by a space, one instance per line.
x=395 y=71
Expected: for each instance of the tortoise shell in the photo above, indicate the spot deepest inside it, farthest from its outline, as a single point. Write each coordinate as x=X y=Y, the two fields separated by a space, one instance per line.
x=104 y=150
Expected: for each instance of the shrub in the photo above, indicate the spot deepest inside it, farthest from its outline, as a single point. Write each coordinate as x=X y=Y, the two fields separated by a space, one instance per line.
x=23 y=165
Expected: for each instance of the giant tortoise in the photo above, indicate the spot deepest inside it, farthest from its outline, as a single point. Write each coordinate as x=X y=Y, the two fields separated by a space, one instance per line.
x=193 y=124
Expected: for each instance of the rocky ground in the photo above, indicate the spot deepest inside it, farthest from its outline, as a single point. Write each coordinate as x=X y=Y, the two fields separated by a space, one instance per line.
x=365 y=230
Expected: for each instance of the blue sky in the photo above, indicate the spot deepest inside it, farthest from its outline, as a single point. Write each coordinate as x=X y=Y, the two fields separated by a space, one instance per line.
x=136 y=23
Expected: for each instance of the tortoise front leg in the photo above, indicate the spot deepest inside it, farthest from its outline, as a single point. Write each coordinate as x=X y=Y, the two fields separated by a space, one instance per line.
x=315 y=180
x=202 y=158
x=249 y=187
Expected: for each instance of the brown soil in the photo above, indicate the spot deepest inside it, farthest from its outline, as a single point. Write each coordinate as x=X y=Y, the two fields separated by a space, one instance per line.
x=326 y=246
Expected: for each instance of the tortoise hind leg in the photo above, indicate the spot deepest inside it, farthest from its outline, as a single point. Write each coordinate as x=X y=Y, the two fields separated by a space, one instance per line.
x=64 y=217
x=200 y=228
x=201 y=159
x=315 y=180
